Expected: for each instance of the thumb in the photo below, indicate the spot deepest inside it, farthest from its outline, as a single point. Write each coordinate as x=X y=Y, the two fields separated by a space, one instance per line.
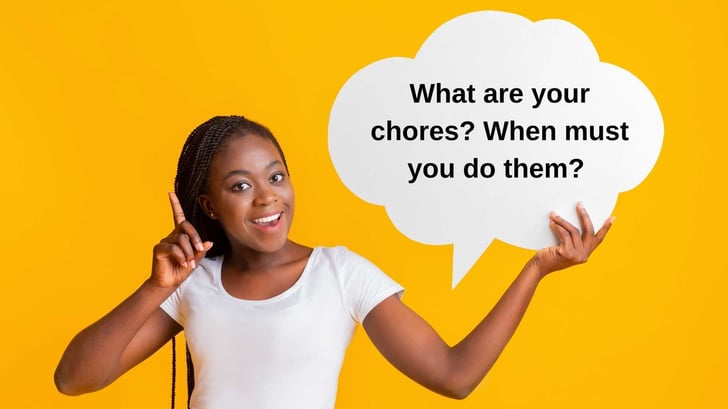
x=200 y=254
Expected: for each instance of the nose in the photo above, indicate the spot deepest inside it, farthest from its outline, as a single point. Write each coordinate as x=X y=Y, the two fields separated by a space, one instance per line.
x=265 y=195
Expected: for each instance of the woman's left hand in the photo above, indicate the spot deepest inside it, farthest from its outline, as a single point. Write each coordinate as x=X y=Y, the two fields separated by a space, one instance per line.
x=574 y=247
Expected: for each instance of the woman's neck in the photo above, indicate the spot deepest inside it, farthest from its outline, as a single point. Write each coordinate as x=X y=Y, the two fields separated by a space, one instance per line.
x=249 y=260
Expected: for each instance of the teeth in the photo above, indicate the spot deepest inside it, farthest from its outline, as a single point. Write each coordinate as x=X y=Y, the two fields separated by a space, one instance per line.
x=267 y=219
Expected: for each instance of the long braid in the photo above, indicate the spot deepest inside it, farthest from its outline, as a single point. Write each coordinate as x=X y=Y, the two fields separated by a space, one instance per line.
x=174 y=368
x=191 y=181
x=190 y=375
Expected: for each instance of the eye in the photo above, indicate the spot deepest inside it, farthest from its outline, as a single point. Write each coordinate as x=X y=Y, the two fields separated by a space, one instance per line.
x=277 y=177
x=241 y=186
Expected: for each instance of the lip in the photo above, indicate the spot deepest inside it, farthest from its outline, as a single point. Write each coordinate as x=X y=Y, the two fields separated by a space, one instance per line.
x=268 y=218
x=268 y=223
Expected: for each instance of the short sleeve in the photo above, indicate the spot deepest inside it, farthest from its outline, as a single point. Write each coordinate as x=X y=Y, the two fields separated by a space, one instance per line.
x=363 y=284
x=172 y=306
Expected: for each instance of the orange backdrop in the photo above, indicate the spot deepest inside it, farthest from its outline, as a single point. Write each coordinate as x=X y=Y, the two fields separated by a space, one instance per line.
x=97 y=98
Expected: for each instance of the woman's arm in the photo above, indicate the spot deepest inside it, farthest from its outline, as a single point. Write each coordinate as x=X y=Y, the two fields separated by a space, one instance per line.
x=137 y=327
x=413 y=346
x=127 y=335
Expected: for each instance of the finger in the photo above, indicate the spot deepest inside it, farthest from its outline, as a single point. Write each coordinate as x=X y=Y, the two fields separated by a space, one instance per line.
x=177 y=212
x=603 y=231
x=172 y=251
x=191 y=232
x=564 y=236
x=587 y=228
x=206 y=246
x=572 y=231
x=183 y=241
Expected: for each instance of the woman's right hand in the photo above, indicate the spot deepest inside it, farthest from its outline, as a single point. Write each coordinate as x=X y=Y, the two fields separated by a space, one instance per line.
x=179 y=253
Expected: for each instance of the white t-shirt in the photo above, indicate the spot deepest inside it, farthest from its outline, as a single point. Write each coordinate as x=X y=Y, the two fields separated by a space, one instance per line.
x=283 y=352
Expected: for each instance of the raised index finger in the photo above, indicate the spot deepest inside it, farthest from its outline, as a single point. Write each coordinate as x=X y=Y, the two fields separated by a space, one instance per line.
x=177 y=212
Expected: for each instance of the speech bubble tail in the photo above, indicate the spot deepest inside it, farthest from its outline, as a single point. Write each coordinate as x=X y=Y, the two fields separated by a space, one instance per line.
x=464 y=256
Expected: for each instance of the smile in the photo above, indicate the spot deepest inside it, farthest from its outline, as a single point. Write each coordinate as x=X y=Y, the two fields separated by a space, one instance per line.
x=268 y=220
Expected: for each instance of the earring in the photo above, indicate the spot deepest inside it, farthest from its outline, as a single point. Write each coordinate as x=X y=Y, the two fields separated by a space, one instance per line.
x=212 y=215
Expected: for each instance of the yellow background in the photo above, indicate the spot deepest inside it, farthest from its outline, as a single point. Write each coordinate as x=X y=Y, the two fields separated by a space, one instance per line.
x=97 y=97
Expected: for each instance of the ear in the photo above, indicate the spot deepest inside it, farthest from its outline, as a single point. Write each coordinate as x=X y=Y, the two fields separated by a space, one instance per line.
x=207 y=206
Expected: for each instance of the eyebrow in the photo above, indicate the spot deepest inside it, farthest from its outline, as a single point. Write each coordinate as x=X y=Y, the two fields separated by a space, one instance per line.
x=243 y=172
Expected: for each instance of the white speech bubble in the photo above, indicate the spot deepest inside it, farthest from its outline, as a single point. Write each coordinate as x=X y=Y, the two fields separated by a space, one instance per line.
x=472 y=57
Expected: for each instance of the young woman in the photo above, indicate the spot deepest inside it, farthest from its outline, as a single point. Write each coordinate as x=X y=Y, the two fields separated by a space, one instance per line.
x=268 y=320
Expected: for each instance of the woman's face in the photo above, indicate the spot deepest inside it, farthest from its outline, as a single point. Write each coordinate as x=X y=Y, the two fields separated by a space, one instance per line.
x=249 y=192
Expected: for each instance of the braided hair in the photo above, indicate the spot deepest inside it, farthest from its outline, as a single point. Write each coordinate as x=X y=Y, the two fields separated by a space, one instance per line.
x=190 y=182
x=194 y=164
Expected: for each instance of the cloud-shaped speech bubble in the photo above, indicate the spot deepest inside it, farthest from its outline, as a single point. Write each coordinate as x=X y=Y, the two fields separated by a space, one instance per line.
x=496 y=122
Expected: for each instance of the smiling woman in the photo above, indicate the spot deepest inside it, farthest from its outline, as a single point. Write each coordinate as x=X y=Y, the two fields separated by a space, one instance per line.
x=249 y=194
x=268 y=320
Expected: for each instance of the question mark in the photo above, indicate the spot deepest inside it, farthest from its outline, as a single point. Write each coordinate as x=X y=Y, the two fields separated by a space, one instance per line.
x=470 y=129
x=579 y=163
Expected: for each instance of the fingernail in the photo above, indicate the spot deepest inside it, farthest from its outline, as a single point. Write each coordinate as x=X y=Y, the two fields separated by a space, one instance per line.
x=200 y=247
x=580 y=205
x=192 y=263
x=184 y=264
